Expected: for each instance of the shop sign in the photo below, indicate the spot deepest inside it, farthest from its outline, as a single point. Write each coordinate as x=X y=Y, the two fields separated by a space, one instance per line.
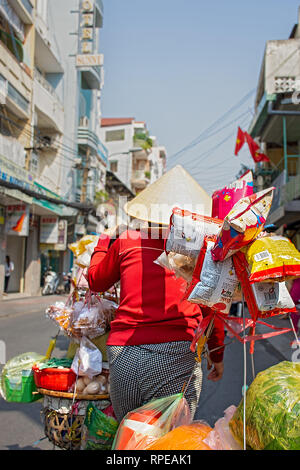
x=17 y=220
x=49 y=229
x=86 y=27
x=89 y=60
x=61 y=245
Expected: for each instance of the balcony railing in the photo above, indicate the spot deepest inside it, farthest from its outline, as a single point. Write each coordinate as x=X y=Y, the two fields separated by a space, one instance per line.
x=27 y=4
x=45 y=84
x=13 y=44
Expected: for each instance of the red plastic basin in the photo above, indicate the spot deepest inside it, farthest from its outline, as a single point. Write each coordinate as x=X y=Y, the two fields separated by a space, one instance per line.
x=54 y=379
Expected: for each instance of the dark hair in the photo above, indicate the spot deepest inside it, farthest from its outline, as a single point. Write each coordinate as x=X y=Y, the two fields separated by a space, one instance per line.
x=7 y=260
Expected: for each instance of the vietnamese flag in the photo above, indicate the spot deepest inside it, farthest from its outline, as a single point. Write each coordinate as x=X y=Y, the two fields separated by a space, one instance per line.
x=19 y=225
x=240 y=139
x=255 y=150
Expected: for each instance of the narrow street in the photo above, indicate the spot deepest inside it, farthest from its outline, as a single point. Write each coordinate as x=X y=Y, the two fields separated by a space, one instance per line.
x=24 y=328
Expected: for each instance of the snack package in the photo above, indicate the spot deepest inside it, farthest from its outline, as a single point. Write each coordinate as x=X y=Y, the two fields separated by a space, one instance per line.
x=145 y=425
x=80 y=246
x=243 y=224
x=272 y=258
x=221 y=438
x=98 y=430
x=83 y=249
x=182 y=266
x=263 y=299
x=272 y=410
x=224 y=199
x=188 y=437
x=187 y=231
x=272 y=296
x=214 y=283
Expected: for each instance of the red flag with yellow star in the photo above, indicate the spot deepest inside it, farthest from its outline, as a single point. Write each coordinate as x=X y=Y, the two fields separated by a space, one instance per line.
x=240 y=139
x=255 y=150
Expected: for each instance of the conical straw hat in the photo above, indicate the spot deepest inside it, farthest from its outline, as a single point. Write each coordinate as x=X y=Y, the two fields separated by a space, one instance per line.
x=176 y=188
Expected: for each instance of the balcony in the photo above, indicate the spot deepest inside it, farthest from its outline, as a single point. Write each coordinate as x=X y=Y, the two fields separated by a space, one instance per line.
x=139 y=179
x=18 y=83
x=24 y=10
x=286 y=201
x=47 y=57
x=49 y=108
x=87 y=138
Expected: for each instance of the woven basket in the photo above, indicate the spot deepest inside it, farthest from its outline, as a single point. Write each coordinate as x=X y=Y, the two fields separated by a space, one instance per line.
x=63 y=430
x=61 y=426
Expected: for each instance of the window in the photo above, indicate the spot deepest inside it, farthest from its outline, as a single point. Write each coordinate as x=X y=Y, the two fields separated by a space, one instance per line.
x=114 y=166
x=118 y=134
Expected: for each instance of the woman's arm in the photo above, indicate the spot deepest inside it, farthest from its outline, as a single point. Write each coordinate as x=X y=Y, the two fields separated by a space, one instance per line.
x=104 y=270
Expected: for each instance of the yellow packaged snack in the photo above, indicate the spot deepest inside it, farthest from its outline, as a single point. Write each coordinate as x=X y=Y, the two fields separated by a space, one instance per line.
x=272 y=258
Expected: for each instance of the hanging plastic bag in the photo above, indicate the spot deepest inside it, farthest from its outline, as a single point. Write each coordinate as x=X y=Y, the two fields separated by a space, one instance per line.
x=214 y=283
x=187 y=231
x=243 y=224
x=87 y=360
x=187 y=437
x=272 y=410
x=98 y=430
x=145 y=425
x=221 y=438
x=182 y=266
x=17 y=379
x=80 y=246
x=224 y=199
x=60 y=314
x=272 y=258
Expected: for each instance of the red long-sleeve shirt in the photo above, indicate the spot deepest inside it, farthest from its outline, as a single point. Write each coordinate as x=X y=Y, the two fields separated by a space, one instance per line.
x=152 y=309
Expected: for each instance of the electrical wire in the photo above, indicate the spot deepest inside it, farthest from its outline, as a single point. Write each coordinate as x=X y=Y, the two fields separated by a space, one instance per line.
x=203 y=134
x=209 y=152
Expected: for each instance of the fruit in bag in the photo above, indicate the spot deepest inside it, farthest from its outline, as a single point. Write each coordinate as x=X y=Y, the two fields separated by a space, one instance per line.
x=243 y=224
x=272 y=258
x=214 y=283
x=187 y=231
x=188 y=437
x=272 y=410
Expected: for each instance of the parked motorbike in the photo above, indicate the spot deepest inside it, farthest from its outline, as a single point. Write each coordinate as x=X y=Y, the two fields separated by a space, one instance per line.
x=64 y=286
x=51 y=281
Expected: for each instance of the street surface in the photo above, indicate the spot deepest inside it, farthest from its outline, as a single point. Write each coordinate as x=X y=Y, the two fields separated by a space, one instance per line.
x=24 y=328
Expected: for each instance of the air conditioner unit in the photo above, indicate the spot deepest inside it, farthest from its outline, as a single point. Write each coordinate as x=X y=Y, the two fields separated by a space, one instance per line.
x=46 y=141
x=84 y=121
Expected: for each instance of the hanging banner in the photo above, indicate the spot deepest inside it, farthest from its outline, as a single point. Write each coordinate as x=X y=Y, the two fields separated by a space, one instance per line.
x=17 y=220
x=61 y=244
x=49 y=230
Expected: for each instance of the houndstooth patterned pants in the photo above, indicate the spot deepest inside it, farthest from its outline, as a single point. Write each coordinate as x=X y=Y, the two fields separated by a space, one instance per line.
x=138 y=374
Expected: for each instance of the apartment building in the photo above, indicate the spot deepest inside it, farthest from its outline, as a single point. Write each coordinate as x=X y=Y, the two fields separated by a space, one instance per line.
x=134 y=156
x=276 y=125
x=50 y=90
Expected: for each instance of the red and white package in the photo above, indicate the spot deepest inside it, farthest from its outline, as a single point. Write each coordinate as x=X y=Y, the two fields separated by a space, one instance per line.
x=214 y=283
x=187 y=232
x=263 y=299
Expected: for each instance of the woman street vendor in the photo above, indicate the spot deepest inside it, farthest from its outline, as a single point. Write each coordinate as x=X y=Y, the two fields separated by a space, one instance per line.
x=149 y=343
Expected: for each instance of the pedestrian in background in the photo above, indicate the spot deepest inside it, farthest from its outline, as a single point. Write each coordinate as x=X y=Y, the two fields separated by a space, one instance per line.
x=9 y=267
